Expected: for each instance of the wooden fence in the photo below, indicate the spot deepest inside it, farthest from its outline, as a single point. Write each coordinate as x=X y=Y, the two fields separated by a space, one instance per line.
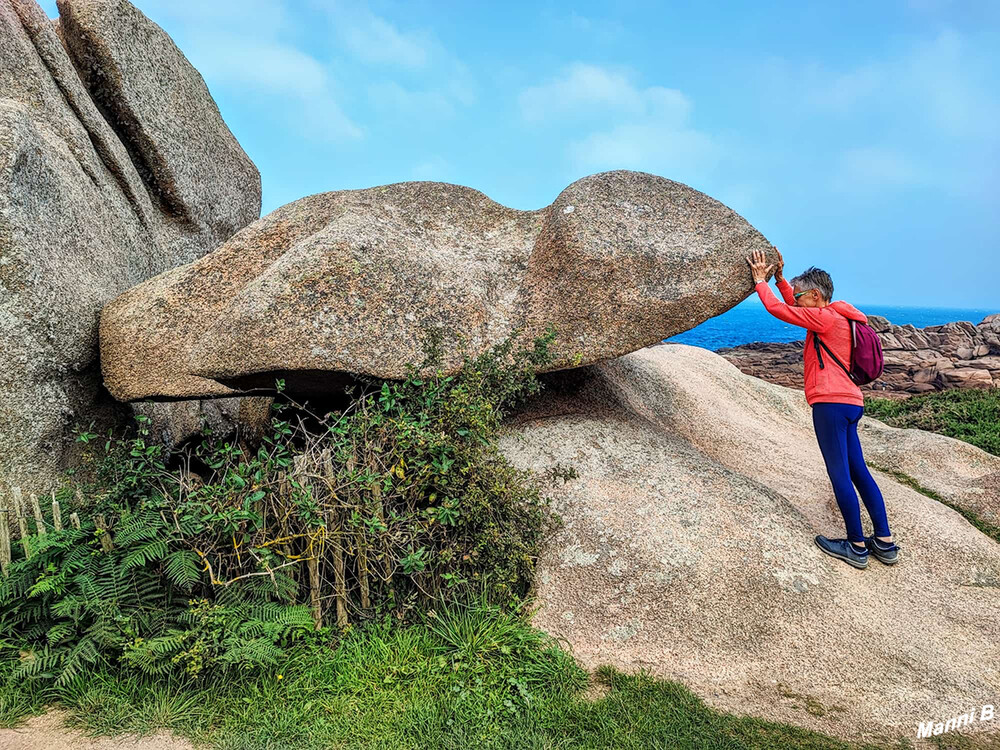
x=14 y=514
x=333 y=552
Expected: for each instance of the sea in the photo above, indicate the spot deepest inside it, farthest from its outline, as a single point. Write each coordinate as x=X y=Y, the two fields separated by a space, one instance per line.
x=749 y=321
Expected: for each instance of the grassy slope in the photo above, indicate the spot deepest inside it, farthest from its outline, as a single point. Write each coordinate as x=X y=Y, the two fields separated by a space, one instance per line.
x=969 y=414
x=475 y=680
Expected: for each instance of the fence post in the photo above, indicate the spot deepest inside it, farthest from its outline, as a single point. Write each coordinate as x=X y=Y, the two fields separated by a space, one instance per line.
x=314 y=600
x=56 y=514
x=22 y=521
x=75 y=520
x=299 y=474
x=102 y=529
x=36 y=508
x=363 y=568
x=336 y=533
x=386 y=558
x=4 y=536
x=339 y=579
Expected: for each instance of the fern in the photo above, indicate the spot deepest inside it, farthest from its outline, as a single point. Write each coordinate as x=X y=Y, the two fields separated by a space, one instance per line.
x=182 y=569
x=156 y=549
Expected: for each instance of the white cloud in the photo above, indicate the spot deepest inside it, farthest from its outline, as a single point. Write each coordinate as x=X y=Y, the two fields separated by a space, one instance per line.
x=241 y=44
x=647 y=147
x=841 y=93
x=601 y=29
x=925 y=111
x=581 y=88
x=429 y=82
x=934 y=83
x=433 y=168
x=645 y=129
x=256 y=45
x=374 y=39
x=413 y=105
x=260 y=64
x=270 y=68
x=872 y=168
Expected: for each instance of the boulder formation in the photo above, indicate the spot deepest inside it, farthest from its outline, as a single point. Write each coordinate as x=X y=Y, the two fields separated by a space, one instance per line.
x=917 y=360
x=687 y=548
x=115 y=166
x=350 y=281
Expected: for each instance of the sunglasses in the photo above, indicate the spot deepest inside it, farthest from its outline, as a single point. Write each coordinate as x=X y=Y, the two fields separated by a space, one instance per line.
x=801 y=293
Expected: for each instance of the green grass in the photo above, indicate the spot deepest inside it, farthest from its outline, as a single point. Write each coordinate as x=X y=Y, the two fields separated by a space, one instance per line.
x=969 y=414
x=474 y=678
x=986 y=527
x=972 y=415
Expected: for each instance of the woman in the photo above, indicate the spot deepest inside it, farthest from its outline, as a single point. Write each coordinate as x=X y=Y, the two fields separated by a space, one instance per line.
x=837 y=404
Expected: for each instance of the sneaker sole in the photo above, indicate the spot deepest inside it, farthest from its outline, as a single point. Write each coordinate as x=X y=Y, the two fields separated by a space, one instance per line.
x=852 y=563
x=892 y=561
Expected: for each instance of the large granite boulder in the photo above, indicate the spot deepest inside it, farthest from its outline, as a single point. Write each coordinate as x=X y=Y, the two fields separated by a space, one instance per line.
x=115 y=166
x=349 y=282
x=687 y=548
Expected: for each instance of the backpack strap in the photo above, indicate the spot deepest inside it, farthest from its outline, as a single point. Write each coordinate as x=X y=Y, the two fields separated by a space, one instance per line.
x=818 y=342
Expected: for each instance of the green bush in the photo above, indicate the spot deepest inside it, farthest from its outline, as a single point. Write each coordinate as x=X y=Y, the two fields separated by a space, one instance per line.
x=968 y=414
x=215 y=557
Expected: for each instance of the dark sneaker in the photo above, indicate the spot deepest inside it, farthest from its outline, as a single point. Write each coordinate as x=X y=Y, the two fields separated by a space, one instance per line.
x=884 y=552
x=843 y=549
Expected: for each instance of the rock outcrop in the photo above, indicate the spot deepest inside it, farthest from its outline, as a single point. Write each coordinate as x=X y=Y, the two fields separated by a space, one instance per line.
x=687 y=548
x=349 y=281
x=917 y=360
x=115 y=166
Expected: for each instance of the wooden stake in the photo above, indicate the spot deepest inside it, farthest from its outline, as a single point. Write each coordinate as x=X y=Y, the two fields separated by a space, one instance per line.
x=4 y=536
x=75 y=520
x=363 y=569
x=56 y=515
x=339 y=579
x=380 y=512
x=102 y=528
x=36 y=508
x=314 y=600
x=22 y=521
x=336 y=534
x=312 y=563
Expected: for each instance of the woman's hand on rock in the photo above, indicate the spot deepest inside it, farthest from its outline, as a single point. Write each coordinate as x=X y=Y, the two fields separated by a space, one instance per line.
x=758 y=266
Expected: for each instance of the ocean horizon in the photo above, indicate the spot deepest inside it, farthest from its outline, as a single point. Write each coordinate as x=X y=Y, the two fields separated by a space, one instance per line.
x=748 y=322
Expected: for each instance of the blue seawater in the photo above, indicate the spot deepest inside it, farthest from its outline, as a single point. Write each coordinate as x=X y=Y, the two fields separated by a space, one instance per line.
x=749 y=321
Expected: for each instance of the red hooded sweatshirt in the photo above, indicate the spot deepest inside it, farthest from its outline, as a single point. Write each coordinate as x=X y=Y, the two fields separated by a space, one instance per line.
x=831 y=384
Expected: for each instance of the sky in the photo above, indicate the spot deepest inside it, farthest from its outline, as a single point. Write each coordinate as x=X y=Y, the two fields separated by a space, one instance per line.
x=860 y=137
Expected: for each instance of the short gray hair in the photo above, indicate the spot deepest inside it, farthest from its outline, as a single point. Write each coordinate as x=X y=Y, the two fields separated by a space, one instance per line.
x=815 y=278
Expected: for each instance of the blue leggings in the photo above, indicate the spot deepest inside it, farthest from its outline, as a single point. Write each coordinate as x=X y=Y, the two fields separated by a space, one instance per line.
x=837 y=432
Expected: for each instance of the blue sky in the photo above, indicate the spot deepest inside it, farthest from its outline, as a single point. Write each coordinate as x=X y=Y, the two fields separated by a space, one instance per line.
x=861 y=137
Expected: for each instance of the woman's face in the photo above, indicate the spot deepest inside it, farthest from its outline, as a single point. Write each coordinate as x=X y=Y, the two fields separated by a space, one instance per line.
x=810 y=298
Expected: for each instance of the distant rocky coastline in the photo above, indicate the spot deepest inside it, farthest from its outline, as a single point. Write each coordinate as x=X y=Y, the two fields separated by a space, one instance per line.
x=917 y=360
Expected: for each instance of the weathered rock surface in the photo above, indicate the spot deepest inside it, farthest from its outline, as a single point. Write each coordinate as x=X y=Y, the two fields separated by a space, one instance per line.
x=79 y=222
x=165 y=116
x=917 y=360
x=688 y=548
x=346 y=281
